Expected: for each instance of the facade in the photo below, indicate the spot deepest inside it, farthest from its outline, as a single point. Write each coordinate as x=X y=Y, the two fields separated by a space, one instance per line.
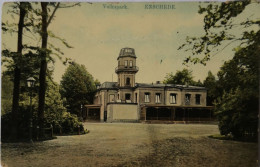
x=129 y=101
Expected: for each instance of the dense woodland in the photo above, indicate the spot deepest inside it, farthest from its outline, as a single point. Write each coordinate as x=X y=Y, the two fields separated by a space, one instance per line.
x=234 y=91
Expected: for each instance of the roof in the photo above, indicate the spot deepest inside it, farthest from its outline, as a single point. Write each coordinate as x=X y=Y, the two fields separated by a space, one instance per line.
x=160 y=85
x=127 y=52
x=108 y=85
x=113 y=85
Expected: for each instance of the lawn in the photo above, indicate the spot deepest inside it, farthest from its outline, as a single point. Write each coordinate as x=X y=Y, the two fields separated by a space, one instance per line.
x=134 y=144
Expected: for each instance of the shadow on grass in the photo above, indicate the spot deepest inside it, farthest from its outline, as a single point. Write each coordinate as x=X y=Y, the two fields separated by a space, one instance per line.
x=26 y=140
x=231 y=138
x=73 y=134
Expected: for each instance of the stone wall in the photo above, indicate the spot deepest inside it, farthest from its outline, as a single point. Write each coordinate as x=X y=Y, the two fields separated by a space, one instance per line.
x=122 y=113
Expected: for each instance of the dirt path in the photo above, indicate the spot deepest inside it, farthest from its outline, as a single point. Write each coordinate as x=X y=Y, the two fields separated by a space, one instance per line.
x=126 y=144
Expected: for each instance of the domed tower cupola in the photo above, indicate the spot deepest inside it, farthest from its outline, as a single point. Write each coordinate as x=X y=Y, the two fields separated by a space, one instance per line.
x=126 y=68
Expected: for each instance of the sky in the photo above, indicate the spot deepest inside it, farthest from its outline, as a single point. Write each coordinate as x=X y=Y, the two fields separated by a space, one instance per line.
x=97 y=34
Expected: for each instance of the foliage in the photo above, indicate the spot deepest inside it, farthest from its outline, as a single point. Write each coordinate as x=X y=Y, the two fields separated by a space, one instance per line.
x=22 y=125
x=6 y=96
x=29 y=59
x=237 y=109
x=237 y=113
x=55 y=114
x=77 y=87
x=236 y=91
x=54 y=106
x=210 y=83
x=219 y=24
x=62 y=122
x=70 y=123
x=183 y=77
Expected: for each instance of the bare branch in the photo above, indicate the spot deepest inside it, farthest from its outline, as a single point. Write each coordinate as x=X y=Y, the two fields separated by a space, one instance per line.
x=52 y=15
x=225 y=47
x=68 y=6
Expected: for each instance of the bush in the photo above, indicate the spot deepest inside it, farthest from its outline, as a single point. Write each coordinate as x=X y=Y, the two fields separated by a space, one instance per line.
x=70 y=123
x=62 y=122
x=22 y=125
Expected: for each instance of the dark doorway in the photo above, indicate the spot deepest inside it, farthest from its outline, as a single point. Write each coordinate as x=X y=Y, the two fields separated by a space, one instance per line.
x=93 y=114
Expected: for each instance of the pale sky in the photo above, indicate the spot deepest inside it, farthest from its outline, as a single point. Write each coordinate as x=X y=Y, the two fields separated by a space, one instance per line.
x=97 y=34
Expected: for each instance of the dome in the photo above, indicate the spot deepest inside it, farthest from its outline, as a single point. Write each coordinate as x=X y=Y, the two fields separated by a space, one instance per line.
x=127 y=52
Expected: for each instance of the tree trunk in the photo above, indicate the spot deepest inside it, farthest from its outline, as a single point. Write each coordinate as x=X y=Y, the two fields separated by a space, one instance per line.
x=17 y=71
x=43 y=68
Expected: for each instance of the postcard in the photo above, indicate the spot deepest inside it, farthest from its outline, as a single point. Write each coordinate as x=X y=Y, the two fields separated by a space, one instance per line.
x=129 y=83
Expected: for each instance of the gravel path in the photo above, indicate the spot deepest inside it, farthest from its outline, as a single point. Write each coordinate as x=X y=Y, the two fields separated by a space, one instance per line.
x=133 y=144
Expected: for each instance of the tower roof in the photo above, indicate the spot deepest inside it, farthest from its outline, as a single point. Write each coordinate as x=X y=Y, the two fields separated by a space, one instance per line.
x=127 y=52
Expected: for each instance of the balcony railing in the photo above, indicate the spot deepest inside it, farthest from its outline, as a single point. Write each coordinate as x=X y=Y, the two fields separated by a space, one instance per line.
x=126 y=68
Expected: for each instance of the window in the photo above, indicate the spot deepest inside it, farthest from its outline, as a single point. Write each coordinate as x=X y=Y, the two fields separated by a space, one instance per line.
x=173 y=98
x=125 y=63
x=127 y=81
x=157 y=98
x=118 y=63
x=127 y=96
x=187 y=99
x=111 y=98
x=197 y=98
x=147 y=97
x=130 y=64
x=128 y=50
x=135 y=97
x=118 y=97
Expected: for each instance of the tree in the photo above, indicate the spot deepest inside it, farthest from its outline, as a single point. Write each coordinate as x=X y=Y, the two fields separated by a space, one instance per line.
x=45 y=53
x=237 y=88
x=6 y=96
x=210 y=83
x=43 y=67
x=237 y=107
x=181 y=77
x=35 y=58
x=23 y=8
x=77 y=87
x=219 y=25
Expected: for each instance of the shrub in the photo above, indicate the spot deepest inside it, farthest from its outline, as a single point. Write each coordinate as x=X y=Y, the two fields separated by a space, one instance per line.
x=60 y=121
x=22 y=125
x=70 y=123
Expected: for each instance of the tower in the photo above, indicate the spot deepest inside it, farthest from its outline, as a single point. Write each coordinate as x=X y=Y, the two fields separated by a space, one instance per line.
x=126 y=68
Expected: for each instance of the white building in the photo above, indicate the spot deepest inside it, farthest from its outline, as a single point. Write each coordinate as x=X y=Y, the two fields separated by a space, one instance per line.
x=129 y=101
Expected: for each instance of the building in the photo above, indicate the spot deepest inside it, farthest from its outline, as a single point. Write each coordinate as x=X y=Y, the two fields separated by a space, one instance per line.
x=129 y=101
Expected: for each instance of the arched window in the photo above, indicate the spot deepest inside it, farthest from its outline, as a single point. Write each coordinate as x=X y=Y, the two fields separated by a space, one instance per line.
x=127 y=81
